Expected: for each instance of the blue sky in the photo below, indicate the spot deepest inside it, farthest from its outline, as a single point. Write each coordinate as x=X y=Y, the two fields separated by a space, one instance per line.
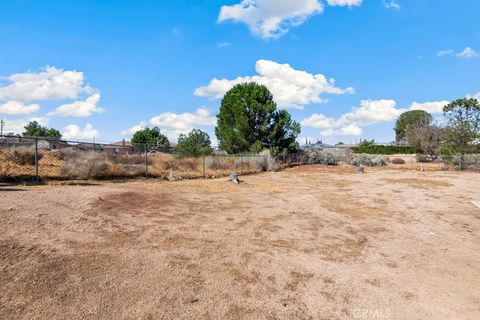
x=105 y=68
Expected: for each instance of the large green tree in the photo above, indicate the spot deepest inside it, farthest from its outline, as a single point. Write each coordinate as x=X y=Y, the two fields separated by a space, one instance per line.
x=463 y=117
x=195 y=144
x=152 y=137
x=413 y=117
x=34 y=129
x=250 y=122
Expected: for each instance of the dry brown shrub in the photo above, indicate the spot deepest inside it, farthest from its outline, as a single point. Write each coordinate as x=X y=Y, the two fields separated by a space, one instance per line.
x=218 y=163
x=64 y=154
x=398 y=161
x=22 y=156
x=93 y=165
x=188 y=164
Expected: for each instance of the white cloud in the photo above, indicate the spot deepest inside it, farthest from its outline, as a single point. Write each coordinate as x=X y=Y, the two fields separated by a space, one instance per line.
x=373 y=111
x=343 y=3
x=332 y=127
x=72 y=131
x=131 y=131
x=270 y=19
x=173 y=124
x=320 y=121
x=443 y=53
x=352 y=129
x=80 y=108
x=368 y=113
x=467 y=53
x=184 y=121
x=430 y=107
x=18 y=108
x=50 y=84
x=291 y=88
x=391 y=4
x=351 y=123
x=17 y=126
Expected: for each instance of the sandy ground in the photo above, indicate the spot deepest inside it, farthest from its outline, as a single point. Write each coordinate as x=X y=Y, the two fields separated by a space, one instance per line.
x=307 y=243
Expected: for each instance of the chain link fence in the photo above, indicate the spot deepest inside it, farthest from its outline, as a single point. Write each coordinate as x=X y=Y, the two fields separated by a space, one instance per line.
x=33 y=159
x=339 y=156
x=26 y=159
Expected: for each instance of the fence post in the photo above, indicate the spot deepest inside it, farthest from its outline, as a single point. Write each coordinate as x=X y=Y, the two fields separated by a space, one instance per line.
x=241 y=164
x=36 y=159
x=203 y=164
x=146 y=161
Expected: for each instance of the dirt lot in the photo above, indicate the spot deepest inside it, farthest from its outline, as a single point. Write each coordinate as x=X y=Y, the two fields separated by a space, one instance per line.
x=306 y=243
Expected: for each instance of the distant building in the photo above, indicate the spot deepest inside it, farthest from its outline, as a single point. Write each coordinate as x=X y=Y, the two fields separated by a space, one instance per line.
x=51 y=144
x=15 y=141
x=87 y=146
x=121 y=147
x=42 y=143
x=317 y=146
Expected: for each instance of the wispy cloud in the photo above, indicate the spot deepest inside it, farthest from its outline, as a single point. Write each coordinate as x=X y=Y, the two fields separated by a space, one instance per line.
x=223 y=44
x=466 y=53
x=443 y=53
x=391 y=4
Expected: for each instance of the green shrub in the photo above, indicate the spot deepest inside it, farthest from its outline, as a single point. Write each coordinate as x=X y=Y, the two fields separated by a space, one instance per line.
x=384 y=150
x=366 y=160
x=448 y=151
x=378 y=161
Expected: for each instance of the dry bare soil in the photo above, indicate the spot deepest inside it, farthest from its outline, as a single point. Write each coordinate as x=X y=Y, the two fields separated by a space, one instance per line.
x=306 y=243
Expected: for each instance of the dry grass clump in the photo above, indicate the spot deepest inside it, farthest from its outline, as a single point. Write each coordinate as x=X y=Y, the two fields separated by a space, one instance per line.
x=175 y=164
x=264 y=161
x=63 y=154
x=218 y=163
x=22 y=156
x=130 y=159
x=93 y=165
x=271 y=164
x=423 y=158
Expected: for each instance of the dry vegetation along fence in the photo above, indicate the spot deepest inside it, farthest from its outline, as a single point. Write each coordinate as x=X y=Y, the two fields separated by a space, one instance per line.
x=33 y=159
x=24 y=159
x=401 y=161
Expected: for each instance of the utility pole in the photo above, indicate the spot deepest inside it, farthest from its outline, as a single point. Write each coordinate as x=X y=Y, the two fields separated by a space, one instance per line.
x=2 y=123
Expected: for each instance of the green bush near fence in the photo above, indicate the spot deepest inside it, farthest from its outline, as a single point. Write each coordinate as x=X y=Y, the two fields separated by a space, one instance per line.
x=384 y=150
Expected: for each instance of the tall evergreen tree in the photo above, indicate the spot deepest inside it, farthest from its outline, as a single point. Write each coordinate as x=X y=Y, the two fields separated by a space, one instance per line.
x=250 y=122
